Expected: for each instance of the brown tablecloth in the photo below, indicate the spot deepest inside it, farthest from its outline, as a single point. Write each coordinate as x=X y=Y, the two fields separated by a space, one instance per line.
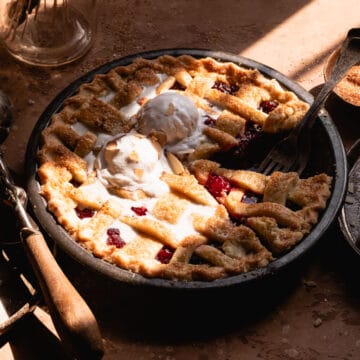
x=313 y=313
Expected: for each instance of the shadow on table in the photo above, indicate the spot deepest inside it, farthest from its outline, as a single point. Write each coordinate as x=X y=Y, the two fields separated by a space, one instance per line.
x=156 y=316
x=345 y=116
x=26 y=337
x=162 y=315
x=31 y=340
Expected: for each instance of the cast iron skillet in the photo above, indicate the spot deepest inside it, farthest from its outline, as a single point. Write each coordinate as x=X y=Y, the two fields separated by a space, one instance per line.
x=328 y=156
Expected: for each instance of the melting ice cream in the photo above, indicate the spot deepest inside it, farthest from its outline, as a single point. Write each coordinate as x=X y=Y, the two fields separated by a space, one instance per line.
x=172 y=115
x=133 y=162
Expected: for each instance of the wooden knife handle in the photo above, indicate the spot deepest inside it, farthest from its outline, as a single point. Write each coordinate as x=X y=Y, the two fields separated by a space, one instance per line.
x=73 y=319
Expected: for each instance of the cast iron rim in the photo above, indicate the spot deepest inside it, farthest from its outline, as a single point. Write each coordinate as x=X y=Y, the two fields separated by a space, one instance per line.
x=348 y=230
x=84 y=257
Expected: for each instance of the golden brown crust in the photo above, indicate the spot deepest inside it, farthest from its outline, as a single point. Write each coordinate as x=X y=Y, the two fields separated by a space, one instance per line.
x=276 y=224
x=277 y=239
x=244 y=179
x=236 y=105
x=158 y=243
x=188 y=187
x=278 y=187
x=285 y=117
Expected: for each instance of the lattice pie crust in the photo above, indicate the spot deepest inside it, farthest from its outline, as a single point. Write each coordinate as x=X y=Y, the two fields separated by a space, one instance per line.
x=196 y=219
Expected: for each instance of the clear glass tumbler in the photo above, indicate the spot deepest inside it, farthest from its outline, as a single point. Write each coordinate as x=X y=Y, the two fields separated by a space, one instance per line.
x=47 y=32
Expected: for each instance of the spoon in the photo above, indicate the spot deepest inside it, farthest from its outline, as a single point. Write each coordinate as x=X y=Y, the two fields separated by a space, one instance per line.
x=73 y=319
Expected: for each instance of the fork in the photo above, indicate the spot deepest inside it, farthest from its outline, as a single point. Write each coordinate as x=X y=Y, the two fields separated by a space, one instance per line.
x=292 y=153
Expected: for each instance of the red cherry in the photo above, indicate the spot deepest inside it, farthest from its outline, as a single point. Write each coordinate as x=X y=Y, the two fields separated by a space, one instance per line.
x=164 y=255
x=141 y=210
x=114 y=238
x=268 y=105
x=84 y=213
x=217 y=185
x=225 y=88
x=209 y=121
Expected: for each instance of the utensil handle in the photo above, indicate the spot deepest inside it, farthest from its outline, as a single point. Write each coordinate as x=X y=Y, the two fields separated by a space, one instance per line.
x=349 y=56
x=72 y=317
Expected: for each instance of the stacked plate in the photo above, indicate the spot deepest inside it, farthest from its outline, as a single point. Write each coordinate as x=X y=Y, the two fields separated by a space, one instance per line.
x=349 y=216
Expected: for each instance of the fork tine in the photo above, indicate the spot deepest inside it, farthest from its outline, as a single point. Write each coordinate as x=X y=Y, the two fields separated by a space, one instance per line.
x=298 y=167
x=269 y=168
x=263 y=165
x=269 y=165
x=292 y=152
x=280 y=167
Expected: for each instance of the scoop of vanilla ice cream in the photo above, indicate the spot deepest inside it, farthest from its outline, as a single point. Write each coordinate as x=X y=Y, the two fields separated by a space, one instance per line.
x=133 y=162
x=172 y=114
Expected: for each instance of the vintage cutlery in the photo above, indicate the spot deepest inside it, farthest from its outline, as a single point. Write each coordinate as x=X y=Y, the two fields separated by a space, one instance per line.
x=73 y=319
x=292 y=153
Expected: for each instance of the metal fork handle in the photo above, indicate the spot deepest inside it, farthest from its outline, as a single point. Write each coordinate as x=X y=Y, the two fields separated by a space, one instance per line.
x=349 y=55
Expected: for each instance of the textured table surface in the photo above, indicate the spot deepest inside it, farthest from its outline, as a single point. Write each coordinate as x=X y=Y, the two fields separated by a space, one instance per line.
x=312 y=314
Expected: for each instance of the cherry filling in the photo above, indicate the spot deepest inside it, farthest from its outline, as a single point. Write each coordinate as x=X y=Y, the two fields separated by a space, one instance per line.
x=209 y=121
x=225 y=88
x=178 y=86
x=114 y=238
x=268 y=105
x=164 y=255
x=245 y=153
x=141 y=210
x=84 y=213
x=252 y=133
x=250 y=198
x=217 y=185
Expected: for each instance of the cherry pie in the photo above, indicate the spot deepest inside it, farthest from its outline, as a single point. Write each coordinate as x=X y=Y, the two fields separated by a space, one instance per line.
x=144 y=167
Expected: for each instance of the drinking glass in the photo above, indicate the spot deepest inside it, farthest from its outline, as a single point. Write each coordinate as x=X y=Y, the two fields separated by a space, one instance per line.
x=48 y=32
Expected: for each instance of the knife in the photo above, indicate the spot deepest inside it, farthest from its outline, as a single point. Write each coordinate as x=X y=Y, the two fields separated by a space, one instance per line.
x=73 y=319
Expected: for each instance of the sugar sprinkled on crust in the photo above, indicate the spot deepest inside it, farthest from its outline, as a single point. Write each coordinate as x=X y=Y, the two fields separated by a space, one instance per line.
x=182 y=232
